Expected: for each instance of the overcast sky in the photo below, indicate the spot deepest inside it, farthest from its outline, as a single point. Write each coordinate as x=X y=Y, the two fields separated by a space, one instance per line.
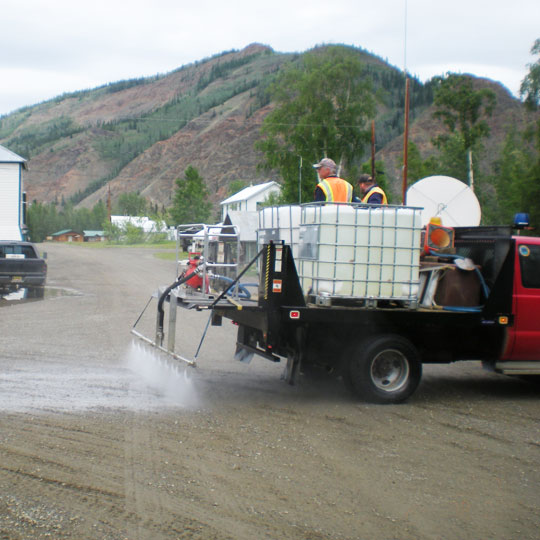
x=56 y=46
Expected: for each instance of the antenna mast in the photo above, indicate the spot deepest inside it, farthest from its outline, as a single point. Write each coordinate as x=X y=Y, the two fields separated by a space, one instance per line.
x=406 y=126
x=373 y=174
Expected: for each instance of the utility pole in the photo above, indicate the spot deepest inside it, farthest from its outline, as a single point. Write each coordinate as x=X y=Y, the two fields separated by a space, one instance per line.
x=406 y=130
x=300 y=181
x=109 y=204
x=405 y=142
x=373 y=149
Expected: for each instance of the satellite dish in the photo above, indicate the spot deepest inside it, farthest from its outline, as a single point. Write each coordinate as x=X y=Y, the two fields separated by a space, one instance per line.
x=446 y=198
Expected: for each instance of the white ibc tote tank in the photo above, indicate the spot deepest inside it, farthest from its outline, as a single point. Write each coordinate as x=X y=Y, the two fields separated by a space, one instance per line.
x=280 y=223
x=359 y=251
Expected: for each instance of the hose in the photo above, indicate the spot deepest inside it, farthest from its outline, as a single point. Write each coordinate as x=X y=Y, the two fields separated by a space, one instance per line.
x=470 y=309
x=214 y=303
x=182 y=279
x=243 y=292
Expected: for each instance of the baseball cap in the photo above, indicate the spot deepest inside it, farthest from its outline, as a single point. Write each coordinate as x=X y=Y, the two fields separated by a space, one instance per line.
x=325 y=162
x=365 y=178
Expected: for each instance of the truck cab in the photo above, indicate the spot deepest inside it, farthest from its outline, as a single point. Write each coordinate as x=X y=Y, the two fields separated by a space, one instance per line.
x=522 y=351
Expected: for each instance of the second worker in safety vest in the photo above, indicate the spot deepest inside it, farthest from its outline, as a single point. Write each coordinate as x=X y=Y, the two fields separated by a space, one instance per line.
x=331 y=188
x=371 y=192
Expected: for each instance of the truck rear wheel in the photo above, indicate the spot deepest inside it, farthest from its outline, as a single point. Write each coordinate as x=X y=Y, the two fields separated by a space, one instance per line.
x=383 y=369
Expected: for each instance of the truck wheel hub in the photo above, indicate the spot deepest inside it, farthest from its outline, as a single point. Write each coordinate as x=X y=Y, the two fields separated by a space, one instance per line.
x=390 y=370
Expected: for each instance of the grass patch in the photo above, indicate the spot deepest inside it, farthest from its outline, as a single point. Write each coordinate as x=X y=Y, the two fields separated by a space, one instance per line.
x=170 y=255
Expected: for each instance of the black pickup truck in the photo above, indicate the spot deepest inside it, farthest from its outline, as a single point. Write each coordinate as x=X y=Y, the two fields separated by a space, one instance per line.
x=21 y=266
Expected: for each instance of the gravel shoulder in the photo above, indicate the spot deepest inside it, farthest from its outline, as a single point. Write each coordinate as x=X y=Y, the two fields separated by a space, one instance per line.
x=100 y=438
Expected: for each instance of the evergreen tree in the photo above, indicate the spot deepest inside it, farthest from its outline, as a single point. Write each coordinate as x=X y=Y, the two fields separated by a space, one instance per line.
x=99 y=215
x=323 y=102
x=530 y=86
x=191 y=204
x=418 y=168
x=453 y=158
x=517 y=172
x=517 y=190
x=67 y=216
x=131 y=204
x=462 y=109
x=41 y=220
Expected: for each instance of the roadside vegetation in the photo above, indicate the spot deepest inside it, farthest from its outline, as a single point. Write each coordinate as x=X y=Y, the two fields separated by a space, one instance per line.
x=43 y=220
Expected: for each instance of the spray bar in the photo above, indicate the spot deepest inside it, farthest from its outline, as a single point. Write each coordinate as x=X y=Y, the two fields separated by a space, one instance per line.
x=160 y=334
x=161 y=348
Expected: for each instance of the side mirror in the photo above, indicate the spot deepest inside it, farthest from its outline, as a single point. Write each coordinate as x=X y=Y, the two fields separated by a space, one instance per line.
x=44 y=255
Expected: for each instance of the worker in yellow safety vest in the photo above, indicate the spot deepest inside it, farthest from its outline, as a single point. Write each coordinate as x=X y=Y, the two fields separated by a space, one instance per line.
x=331 y=188
x=371 y=192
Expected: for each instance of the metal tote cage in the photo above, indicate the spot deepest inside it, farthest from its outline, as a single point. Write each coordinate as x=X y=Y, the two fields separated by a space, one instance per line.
x=217 y=245
x=350 y=251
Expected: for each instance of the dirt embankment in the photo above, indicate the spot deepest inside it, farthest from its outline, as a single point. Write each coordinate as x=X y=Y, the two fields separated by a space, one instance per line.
x=100 y=439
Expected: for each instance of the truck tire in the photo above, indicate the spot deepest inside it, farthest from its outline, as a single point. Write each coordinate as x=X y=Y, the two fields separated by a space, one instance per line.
x=382 y=369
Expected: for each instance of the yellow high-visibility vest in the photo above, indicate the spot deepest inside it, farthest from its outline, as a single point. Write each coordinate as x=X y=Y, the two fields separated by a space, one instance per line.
x=375 y=189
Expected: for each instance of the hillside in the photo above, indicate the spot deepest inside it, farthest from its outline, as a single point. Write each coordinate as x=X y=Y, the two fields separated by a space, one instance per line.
x=140 y=135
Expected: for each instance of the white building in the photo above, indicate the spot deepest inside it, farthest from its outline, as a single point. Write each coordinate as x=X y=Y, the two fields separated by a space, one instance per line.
x=11 y=195
x=249 y=199
x=143 y=222
x=242 y=210
x=247 y=223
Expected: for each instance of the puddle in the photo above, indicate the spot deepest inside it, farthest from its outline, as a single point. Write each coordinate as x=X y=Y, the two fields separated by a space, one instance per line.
x=25 y=295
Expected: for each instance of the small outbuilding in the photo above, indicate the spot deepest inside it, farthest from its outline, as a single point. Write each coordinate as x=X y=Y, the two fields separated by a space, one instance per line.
x=249 y=199
x=142 y=222
x=94 y=236
x=67 y=235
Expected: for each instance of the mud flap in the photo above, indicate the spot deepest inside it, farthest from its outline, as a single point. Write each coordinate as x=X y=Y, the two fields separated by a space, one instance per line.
x=243 y=355
x=292 y=369
x=295 y=357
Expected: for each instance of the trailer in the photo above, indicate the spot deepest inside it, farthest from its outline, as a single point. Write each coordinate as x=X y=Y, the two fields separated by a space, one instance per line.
x=368 y=295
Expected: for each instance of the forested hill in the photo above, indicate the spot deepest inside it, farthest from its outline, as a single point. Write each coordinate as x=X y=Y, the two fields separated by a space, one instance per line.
x=140 y=135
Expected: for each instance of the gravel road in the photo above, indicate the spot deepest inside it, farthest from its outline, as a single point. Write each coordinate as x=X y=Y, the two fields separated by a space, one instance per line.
x=102 y=439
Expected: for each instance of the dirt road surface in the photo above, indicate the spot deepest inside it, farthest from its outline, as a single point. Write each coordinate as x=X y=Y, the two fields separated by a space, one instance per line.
x=101 y=439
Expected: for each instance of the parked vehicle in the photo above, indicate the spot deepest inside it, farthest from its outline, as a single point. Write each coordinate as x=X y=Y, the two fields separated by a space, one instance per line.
x=21 y=266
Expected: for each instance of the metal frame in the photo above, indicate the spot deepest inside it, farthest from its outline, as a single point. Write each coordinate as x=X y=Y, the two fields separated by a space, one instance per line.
x=211 y=234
